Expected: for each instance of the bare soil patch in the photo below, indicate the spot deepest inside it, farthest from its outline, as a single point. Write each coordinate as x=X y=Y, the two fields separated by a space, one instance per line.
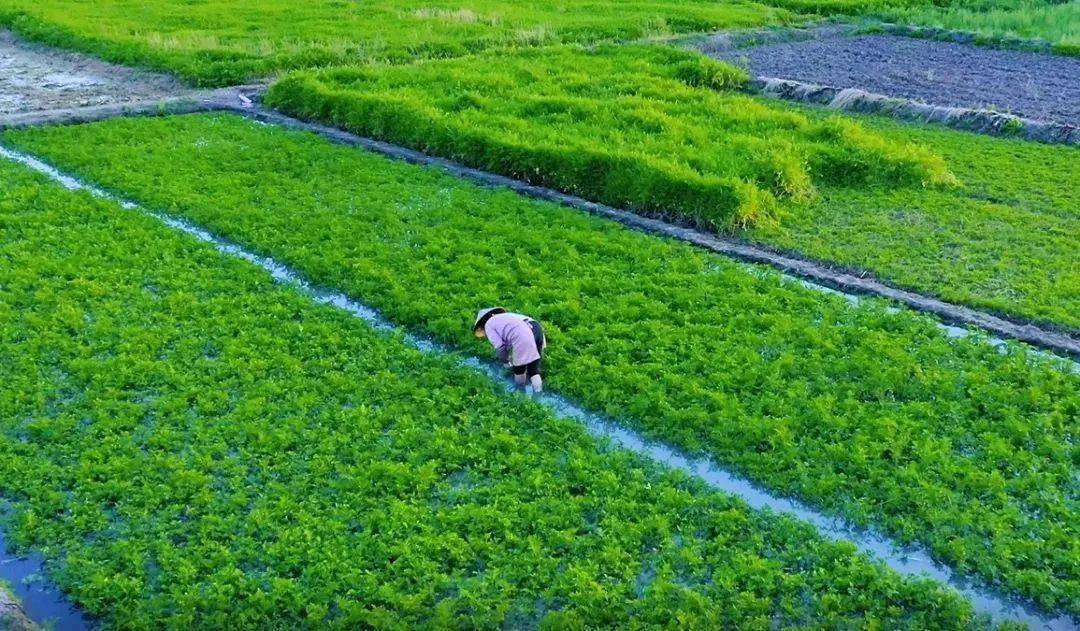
x=34 y=78
x=1028 y=84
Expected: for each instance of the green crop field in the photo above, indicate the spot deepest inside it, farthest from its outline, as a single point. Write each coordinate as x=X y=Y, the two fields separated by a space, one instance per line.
x=875 y=416
x=1004 y=239
x=923 y=208
x=218 y=43
x=663 y=133
x=189 y=444
x=196 y=447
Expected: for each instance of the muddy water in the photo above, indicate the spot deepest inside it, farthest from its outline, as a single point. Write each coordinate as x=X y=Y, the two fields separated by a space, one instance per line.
x=910 y=561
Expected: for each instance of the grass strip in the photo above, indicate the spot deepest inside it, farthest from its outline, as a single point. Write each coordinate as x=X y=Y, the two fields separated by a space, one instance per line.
x=227 y=43
x=657 y=137
x=1056 y=23
x=875 y=416
x=193 y=446
x=998 y=21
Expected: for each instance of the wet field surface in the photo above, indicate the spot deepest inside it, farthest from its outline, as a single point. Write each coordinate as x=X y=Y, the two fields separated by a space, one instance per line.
x=1033 y=85
x=42 y=602
x=34 y=78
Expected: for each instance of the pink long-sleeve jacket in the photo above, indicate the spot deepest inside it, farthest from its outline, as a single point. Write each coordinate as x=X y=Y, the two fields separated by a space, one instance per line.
x=512 y=338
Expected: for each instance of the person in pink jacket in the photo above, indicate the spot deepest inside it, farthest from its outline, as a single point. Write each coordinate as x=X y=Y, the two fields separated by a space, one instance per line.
x=518 y=340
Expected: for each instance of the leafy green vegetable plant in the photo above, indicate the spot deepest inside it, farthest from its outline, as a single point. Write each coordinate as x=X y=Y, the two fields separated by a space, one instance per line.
x=662 y=135
x=875 y=416
x=192 y=446
x=1004 y=240
x=652 y=137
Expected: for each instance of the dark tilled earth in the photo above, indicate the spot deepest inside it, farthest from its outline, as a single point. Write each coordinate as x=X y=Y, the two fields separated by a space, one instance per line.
x=1033 y=85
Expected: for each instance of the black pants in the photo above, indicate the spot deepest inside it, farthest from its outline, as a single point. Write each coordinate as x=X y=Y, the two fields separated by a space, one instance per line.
x=533 y=367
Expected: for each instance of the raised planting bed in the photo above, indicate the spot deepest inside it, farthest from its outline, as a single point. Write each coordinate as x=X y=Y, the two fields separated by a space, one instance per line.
x=876 y=416
x=845 y=192
x=193 y=446
x=1048 y=25
x=664 y=133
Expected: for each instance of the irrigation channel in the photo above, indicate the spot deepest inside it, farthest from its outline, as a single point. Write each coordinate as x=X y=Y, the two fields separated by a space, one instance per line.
x=41 y=601
x=909 y=561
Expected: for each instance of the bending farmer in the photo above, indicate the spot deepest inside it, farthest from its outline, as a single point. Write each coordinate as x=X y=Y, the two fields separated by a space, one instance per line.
x=518 y=340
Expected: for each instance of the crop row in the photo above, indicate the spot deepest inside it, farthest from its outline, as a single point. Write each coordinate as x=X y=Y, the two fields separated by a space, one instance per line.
x=993 y=22
x=997 y=21
x=1005 y=240
x=875 y=416
x=664 y=133
x=192 y=446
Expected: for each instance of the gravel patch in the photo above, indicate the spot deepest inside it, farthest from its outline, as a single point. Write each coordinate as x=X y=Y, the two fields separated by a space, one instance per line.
x=1031 y=85
x=33 y=78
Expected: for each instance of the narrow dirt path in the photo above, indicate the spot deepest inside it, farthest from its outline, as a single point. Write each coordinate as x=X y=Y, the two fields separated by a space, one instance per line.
x=12 y=617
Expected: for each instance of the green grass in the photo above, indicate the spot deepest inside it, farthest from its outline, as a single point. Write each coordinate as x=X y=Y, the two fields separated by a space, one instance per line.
x=845 y=7
x=1005 y=240
x=875 y=416
x=192 y=446
x=655 y=138
x=1054 y=22
x=6 y=595
x=663 y=132
x=211 y=42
